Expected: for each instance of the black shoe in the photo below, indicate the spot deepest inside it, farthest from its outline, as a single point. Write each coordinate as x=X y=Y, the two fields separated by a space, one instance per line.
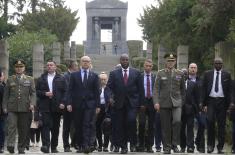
x=220 y=151
x=116 y=149
x=54 y=151
x=86 y=150
x=105 y=149
x=182 y=150
x=99 y=149
x=79 y=149
x=201 y=150
x=124 y=151
x=27 y=148
x=140 y=149
x=149 y=150
x=133 y=149
x=67 y=149
x=10 y=149
x=210 y=149
x=175 y=149
x=190 y=150
x=45 y=149
x=166 y=151
x=21 y=152
x=158 y=149
x=233 y=151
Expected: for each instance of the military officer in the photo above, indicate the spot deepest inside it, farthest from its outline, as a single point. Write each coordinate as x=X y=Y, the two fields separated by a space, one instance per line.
x=18 y=101
x=169 y=91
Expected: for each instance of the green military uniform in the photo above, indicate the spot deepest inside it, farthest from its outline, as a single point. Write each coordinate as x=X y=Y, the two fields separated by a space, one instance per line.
x=169 y=92
x=19 y=94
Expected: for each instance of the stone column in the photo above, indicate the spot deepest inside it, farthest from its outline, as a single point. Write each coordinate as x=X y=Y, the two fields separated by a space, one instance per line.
x=38 y=60
x=149 y=50
x=182 y=56
x=116 y=29
x=161 y=59
x=56 y=52
x=4 y=57
x=96 y=28
x=73 y=50
x=66 y=50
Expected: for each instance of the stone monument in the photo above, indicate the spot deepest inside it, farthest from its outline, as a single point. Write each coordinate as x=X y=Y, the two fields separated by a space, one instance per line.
x=182 y=56
x=56 y=52
x=38 y=60
x=161 y=59
x=4 y=57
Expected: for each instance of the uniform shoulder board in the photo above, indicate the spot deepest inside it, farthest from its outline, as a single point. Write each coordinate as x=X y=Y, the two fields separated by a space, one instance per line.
x=161 y=70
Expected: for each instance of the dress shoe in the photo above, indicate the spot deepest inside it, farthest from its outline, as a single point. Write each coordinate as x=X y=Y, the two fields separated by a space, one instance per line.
x=10 y=149
x=105 y=149
x=166 y=151
x=140 y=149
x=201 y=150
x=99 y=149
x=45 y=149
x=182 y=150
x=116 y=149
x=149 y=150
x=27 y=148
x=210 y=149
x=86 y=150
x=21 y=152
x=54 y=151
x=233 y=151
x=124 y=151
x=67 y=149
x=220 y=151
x=93 y=148
x=190 y=150
x=175 y=149
x=158 y=149
x=133 y=149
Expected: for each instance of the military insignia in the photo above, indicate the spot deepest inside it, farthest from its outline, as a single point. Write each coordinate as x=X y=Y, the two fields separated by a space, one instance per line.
x=178 y=77
x=171 y=56
x=12 y=84
x=26 y=83
x=19 y=62
x=164 y=78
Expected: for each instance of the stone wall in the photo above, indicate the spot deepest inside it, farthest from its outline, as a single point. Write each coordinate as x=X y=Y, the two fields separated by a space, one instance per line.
x=4 y=57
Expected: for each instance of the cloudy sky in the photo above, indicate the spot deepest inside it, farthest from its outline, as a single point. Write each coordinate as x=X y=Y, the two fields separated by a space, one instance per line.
x=135 y=8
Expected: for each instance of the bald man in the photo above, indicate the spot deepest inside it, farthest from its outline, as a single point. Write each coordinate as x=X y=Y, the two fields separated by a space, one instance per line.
x=84 y=101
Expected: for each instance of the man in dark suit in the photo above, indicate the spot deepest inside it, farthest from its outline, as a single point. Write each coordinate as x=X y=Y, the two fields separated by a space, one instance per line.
x=189 y=111
x=50 y=89
x=147 y=110
x=127 y=90
x=84 y=100
x=67 y=115
x=216 y=99
x=2 y=115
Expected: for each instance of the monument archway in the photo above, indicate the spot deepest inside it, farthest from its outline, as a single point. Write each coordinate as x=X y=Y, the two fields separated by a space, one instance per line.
x=106 y=14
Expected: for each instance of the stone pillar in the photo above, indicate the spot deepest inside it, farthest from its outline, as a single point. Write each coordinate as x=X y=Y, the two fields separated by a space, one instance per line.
x=135 y=48
x=96 y=28
x=161 y=59
x=56 y=52
x=38 y=60
x=182 y=56
x=73 y=50
x=149 y=50
x=116 y=29
x=225 y=50
x=4 y=57
x=66 y=50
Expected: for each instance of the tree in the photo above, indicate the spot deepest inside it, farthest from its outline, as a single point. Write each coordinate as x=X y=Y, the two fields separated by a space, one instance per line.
x=6 y=29
x=60 y=21
x=20 y=46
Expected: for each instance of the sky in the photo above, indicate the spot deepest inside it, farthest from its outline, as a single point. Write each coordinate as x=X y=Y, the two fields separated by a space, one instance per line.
x=135 y=8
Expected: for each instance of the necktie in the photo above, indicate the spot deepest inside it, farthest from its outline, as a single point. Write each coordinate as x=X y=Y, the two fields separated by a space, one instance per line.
x=125 y=77
x=217 y=82
x=148 y=87
x=85 y=78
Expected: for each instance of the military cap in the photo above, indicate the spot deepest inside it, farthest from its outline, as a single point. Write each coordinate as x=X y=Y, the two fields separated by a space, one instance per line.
x=19 y=63
x=170 y=56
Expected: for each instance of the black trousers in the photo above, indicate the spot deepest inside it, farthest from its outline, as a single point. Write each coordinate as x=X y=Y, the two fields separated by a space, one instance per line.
x=186 y=132
x=33 y=133
x=146 y=116
x=68 y=118
x=51 y=123
x=200 y=137
x=216 y=112
x=99 y=120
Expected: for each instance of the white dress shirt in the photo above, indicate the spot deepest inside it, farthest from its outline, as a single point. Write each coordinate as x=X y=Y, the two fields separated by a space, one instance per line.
x=102 y=99
x=220 y=92
x=127 y=72
x=50 y=78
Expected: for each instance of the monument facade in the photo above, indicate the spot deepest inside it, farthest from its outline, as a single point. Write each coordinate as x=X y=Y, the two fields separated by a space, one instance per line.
x=109 y=15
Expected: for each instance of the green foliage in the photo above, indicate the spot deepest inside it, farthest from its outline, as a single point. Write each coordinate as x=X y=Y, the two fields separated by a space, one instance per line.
x=231 y=35
x=20 y=46
x=60 y=21
x=138 y=62
x=6 y=29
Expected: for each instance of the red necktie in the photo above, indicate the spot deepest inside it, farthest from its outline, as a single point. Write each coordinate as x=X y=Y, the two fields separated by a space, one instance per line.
x=125 y=77
x=148 y=87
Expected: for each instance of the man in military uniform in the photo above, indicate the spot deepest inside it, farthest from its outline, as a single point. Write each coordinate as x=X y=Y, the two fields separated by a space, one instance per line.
x=18 y=101
x=169 y=92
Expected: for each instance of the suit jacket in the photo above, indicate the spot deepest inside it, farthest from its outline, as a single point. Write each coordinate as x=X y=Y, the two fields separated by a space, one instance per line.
x=153 y=77
x=169 y=89
x=81 y=96
x=207 y=84
x=46 y=104
x=133 y=91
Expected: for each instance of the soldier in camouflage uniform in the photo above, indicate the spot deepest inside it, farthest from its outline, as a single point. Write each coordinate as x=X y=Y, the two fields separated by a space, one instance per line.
x=169 y=92
x=18 y=101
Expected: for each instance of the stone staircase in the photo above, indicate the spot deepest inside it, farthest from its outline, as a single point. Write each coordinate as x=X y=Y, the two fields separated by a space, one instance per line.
x=104 y=63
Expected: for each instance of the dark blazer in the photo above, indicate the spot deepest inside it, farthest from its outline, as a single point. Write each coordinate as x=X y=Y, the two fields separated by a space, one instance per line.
x=81 y=96
x=191 y=105
x=207 y=84
x=153 y=77
x=133 y=91
x=2 y=85
x=46 y=104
